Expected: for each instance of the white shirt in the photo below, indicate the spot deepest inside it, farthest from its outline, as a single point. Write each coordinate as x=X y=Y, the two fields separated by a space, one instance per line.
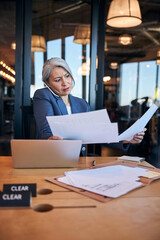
x=69 y=109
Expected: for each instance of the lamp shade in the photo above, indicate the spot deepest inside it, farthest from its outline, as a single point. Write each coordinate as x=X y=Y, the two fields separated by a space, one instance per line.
x=84 y=69
x=38 y=44
x=158 y=61
x=158 y=53
x=82 y=35
x=13 y=45
x=105 y=46
x=113 y=65
x=124 y=14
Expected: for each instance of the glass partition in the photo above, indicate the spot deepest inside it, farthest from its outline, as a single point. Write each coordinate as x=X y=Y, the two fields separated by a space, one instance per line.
x=62 y=25
x=54 y=48
x=7 y=73
x=128 y=83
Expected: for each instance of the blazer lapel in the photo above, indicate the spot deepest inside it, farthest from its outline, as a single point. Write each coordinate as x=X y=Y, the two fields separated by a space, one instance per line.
x=62 y=106
x=74 y=106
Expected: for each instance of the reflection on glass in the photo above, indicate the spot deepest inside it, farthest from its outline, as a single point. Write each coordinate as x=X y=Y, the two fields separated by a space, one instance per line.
x=147 y=79
x=87 y=77
x=54 y=48
x=158 y=87
x=73 y=56
x=38 y=65
x=128 y=83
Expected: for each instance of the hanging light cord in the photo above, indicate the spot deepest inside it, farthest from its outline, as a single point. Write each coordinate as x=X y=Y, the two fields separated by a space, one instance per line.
x=129 y=8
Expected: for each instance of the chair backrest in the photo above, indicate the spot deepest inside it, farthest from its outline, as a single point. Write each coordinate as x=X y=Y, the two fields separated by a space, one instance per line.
x=29 y=124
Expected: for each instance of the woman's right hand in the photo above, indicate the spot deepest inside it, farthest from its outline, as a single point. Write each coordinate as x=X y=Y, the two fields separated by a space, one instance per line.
x=55 y=138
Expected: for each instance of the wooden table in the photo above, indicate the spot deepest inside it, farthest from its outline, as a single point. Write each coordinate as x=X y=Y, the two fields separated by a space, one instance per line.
x=135 y=215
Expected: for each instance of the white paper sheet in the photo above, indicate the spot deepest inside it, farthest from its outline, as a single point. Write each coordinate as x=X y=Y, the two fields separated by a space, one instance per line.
x=131 y=158
x=87 y=132
x=95 y=126
x=90 y=127
x=112 y=190
x=112 y=174
x=110 y=181
x=139 y=125
x=93 y=116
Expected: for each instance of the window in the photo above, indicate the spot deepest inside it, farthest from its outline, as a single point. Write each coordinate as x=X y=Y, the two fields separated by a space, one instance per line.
x=73 y=56
x=37 y=77
x=147 y=79
x=128 y=83
x=54 y=48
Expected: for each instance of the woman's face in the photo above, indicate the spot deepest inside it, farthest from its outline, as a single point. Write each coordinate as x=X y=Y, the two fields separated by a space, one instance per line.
x=60 y=81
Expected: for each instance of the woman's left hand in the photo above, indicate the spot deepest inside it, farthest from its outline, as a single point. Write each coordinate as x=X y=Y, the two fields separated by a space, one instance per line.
x=137 y=138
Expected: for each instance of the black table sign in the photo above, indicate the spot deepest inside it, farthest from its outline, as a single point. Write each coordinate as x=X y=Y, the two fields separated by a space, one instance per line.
x=15 y=188
x=10 y=199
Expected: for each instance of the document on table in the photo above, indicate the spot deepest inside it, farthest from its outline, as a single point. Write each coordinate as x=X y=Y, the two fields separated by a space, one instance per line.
x=131 y=158
x=110 y=181
x=139 y=125
x=90 y=127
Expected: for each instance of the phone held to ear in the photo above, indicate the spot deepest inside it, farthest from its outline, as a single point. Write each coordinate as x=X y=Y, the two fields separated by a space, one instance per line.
x=50 y=89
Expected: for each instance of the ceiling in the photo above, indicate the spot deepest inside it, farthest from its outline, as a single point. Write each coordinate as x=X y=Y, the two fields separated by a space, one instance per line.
x=58 y=19
x=146 y=37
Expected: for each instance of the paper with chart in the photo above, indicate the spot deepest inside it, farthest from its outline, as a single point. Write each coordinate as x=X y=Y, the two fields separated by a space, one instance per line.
x=139 y=125
x=110 y=181
x=90 y=127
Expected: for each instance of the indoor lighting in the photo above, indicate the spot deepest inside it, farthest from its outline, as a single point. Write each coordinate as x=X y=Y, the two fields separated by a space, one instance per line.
x=13 y=46
x=7 y=76
x=158 y=53
x=106 y=78
x=38 y=44
x=7 y=67
x=125 y=39
x=156 y=93
x=124 y=14
x=105 y=46
x=158 y=61
x=158 y=58
x=82 y=35
x=84 y=69
x=113 y=65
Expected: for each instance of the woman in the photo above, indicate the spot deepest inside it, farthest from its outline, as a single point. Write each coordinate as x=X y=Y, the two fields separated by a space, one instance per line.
x=56 y=99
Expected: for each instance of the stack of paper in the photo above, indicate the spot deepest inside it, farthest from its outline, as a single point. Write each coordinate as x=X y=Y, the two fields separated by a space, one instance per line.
x=110 y=181
x=95 y=126
x=129 y=158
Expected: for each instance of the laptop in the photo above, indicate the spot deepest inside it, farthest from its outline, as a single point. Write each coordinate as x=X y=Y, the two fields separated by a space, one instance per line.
x=45 y=153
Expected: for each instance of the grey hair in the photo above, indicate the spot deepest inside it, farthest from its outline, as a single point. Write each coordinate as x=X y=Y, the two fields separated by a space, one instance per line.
x=50 y=64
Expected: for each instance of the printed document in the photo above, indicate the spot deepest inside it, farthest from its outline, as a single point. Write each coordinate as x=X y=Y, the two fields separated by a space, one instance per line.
x=90 y=127
x=139 y=125
x=110 y=181
x=95 y=126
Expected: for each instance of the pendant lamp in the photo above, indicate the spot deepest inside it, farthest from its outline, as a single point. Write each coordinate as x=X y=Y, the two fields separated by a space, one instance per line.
x=124 y=14
x=158 y=53
x=38 y=44
x=105 y=46
x=113 y=65
x=158 y=58
x=82 y=35
x=125 y=39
